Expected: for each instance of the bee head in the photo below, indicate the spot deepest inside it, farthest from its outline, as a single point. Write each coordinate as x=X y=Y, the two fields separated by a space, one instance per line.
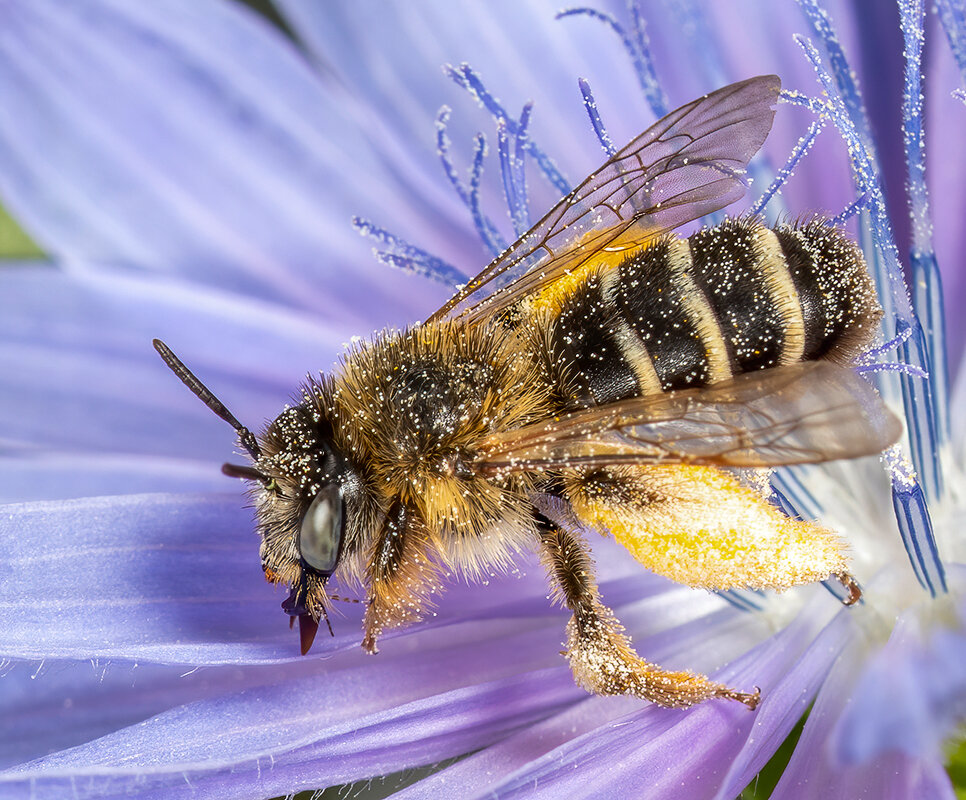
x=314 y=508
x=305 y=491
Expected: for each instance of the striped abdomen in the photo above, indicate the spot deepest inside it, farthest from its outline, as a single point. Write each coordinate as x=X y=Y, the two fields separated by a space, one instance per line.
x=738 y=297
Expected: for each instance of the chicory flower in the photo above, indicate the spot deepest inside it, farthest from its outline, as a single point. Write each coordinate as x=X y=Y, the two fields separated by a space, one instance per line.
x=193 y=175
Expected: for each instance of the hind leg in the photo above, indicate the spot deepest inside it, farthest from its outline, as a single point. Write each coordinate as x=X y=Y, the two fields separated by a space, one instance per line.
x=600 y=654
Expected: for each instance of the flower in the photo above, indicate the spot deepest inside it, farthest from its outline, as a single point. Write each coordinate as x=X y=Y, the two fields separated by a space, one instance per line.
x=191 y=174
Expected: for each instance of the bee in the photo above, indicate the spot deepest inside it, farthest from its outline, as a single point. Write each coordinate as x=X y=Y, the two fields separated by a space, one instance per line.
x=602 y=374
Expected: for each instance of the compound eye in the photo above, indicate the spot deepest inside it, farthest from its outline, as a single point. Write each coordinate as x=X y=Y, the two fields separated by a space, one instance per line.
x=320 y=537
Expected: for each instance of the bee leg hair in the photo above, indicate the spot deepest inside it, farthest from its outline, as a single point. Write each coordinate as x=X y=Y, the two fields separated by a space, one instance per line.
x=600 y=654
x=401 y=576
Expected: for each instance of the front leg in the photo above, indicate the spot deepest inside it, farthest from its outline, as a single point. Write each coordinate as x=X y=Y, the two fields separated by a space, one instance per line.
x=401 y=577
x=600 y=654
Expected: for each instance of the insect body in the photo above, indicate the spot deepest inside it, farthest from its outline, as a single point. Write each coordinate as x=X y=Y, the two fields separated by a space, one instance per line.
x=604 y=375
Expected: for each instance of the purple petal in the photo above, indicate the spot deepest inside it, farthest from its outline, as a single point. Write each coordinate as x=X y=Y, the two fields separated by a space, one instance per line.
x=212 y=150
x=161 y=577
x=909 y=697
x=79 y=372
x=665 y=753
x=348 y=718
x=59 y=476
x=814 y=771
x=177 y=579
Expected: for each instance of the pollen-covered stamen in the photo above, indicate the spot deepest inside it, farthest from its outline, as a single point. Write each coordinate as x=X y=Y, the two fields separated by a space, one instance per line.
x=638 y=49
x=915 y=524
x=781 y=178
x=926 y=283
x=917 y=400
x=402 y=255
x=465 y=77
x=595 y=121
x=850 y=210
x=512 y=170
x=491 y=237
x=488 y=229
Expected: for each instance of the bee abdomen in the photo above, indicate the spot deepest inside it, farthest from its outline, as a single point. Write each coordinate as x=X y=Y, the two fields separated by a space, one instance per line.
x=735 y=298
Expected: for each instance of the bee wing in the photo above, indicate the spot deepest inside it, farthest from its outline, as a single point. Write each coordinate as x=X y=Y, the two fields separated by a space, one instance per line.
x=798 y=414
x=688 y=164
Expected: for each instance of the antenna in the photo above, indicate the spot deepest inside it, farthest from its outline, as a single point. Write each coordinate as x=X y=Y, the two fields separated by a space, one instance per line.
x=203 y=393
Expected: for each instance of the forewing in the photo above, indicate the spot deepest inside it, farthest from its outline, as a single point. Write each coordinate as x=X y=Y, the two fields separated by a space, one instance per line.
x=799 y=414
x=688 y=164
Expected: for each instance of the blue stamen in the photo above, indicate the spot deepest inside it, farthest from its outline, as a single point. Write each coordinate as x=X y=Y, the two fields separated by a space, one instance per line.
x=518 y=164
x=646 y=75
x=485 y=228
x=491 y=238
x=467 y=79
x=818 y=18
x=408 y=257
x=926 y=282
x=915 y=527
x=892 y=344
x=798 y=153
x=849 y=211
x=742 y=599
x=953 y=17
x=959 y=94
x=919 y=407
x=512 y=171
x=892 y=366
x=781 y=502
x=637 y=48
x=920 y=420
x=795 y=497
x=595 y=121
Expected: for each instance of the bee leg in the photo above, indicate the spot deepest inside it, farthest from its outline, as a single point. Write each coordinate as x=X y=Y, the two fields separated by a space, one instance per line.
x=600 y=654
x=401 y=576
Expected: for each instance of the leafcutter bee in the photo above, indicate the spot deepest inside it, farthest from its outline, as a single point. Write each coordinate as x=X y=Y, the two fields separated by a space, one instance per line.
x=601 y=375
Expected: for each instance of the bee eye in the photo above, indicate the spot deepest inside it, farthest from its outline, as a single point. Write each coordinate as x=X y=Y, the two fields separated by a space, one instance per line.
x=320 y=536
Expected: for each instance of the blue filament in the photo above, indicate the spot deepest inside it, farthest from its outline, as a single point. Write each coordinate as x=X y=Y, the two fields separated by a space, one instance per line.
x=466 y=78
x=921 y=422
x=512 y=171
x=849 y=211
x=818 y=18
x=407 y=257
x=793 y=494
x=491 y=237
x=780 y=501
x=926 y=282
x=915 y=526
x=952 y=15
x=798 y=153
x=742 y=599
x=892 y=366
x=484 y=227
x=595 y=121
x=918 y=403
x=638 y=49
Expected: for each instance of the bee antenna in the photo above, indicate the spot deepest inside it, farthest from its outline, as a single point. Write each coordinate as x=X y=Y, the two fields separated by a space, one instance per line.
x=245 y=472
x=204 y=394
